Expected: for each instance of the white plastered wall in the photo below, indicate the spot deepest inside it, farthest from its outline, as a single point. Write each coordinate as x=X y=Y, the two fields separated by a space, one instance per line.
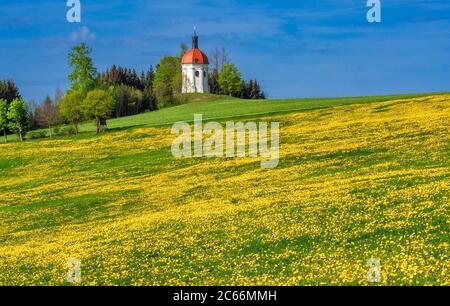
x=195 y=78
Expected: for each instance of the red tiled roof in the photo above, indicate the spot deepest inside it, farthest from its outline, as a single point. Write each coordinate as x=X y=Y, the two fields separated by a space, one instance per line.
x=195 y=56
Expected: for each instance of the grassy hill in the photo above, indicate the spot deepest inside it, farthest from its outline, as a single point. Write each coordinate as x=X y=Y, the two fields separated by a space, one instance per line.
x=359 y=178
x=216 y=107
x=222 y=107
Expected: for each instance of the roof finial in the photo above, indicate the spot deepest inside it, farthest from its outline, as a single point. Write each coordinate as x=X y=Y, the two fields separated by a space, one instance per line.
x=195 y=39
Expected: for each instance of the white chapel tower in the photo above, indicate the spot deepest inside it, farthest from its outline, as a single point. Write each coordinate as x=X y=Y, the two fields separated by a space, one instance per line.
x=195 y=69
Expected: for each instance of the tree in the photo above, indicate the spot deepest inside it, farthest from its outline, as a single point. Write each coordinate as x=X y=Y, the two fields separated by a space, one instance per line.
x=183 y=49
x=224 y=57
x=214 y=82
x=70 y=107
x=129 y=101
x=256 y=92
x=149 y=95
x=177 y=83
x=117 y=76
x=4 y=117
x=164 y=96
x=9 y=91
x=252 y=90
x=133 y=93
x=121 y=94
x=136 y=101
x=167 y=80
x=32 y=115
x=48 y=114
x=230 y=80
x=98 y=105
x=84 y=74
x=218 y=59
x=58 y=96
x=18 y=117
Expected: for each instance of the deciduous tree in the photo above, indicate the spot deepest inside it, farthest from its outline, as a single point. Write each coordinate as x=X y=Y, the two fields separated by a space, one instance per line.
x=18 y=117
x=32 y=115
x=167 y=80
x=48 y=114
x=98 y=105
x=230 y=80
x=84 y=74
x=4 y=117
x=70 y=107
x=58 y=96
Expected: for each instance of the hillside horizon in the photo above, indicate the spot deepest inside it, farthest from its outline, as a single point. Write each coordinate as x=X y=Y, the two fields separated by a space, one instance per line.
x=219 y=107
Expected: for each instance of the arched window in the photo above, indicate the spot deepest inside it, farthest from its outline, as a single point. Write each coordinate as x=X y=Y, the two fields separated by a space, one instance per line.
x=197 y=74
x=204 y=74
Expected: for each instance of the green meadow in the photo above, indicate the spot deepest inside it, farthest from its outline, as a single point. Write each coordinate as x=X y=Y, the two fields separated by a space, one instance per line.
x=216 y=107
x=359 y=178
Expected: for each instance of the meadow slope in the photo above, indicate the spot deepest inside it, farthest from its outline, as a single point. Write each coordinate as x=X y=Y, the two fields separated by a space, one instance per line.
x=219 y=107
x=355 y=182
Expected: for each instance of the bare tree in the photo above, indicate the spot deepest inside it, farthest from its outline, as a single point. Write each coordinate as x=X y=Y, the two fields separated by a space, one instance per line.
x=224 y=56
x=219 y=57
x=58 y=96
x=48 y=114
x=215 y=57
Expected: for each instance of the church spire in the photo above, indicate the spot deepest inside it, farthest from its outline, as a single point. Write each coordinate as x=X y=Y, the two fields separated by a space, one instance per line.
x=195 y=39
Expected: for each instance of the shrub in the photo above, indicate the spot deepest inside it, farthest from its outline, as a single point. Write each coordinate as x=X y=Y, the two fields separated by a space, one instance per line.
x=68 y=130
x=37 y=135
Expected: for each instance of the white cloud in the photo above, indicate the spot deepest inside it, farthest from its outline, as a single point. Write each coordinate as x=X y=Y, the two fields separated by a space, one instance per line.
x=83 y=34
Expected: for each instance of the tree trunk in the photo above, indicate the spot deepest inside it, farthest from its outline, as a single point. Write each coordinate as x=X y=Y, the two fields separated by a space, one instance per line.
x=103 y=125
x=6 y=137
x=20 y=134
x=50 y=131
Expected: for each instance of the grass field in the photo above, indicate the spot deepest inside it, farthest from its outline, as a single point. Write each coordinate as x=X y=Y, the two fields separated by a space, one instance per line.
x=214 y=107
x=358 y=178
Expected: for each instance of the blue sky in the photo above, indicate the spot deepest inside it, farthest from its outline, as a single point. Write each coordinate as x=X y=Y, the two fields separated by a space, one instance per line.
x=295 y=48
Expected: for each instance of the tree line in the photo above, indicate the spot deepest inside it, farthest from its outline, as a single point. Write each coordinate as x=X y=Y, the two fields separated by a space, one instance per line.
x=13 y=110
x=226 y=79
x=116 y=92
